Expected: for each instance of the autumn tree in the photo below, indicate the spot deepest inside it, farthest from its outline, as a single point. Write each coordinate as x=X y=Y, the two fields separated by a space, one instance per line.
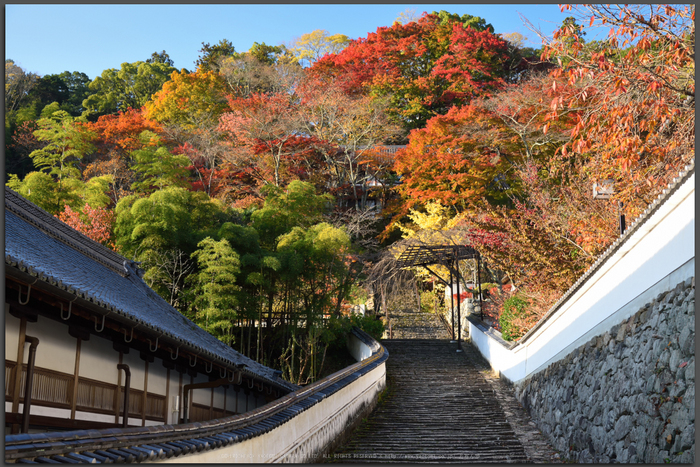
x=117 y=137
x=452 y=162
x=19 y=146
x=188 y=99
x=18 y=83
x=262 y=69
x=635 y=92
x=312 y=46
x=96 y=223
x=425 y=66
x=349 y=126
x=259 y=128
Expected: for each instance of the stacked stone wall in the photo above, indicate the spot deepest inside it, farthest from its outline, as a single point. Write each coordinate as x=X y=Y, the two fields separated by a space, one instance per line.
x=627 y=395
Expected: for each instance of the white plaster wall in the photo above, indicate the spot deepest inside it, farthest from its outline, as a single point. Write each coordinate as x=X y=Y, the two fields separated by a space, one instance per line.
x=202 y=395
x=659 y=255
x=56 y=349
x=98 y=360
x=137 y=368
x=47 y=411
x=358 y=349
x=93 y=417
x=303 y=437
x=219 y=397
x=157 y=377
x=11 y=335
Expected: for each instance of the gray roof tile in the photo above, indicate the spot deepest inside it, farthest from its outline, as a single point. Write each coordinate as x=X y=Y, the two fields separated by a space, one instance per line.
x=47 y=248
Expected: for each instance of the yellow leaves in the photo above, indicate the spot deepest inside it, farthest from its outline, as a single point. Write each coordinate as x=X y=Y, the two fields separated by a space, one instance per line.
x=314 y=45
x=429 y=226
x=188 y=99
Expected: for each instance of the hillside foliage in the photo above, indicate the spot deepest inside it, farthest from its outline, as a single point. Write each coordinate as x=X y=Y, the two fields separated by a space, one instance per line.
x=263 y=191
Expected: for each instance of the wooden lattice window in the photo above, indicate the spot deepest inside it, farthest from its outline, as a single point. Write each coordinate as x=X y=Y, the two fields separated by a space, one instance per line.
x=95 y=396
x=155 y=407
x=9 y=379
x=49 y=388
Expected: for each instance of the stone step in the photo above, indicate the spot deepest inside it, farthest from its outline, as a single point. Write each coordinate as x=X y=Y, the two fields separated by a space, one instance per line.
x=439 y=409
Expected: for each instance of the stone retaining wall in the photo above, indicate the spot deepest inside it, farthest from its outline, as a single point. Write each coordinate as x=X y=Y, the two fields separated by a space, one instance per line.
x=627 y=395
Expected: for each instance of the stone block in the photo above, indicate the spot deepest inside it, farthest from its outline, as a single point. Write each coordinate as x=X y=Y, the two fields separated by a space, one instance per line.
x=677 y=389
x=662 y=457
x=623 y=426
x=689 y=401
x=584 y=457
x=684 y=341
x=621 y=332
x=674 y=360
x=690 y=371
x=664 y=358
x=686 y=458
x=665 y=410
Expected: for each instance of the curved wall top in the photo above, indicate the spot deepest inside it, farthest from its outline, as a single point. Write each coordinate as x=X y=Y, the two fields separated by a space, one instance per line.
x=656 y=253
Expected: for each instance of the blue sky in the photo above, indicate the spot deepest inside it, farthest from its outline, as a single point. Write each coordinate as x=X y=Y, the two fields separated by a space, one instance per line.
x=49 y=38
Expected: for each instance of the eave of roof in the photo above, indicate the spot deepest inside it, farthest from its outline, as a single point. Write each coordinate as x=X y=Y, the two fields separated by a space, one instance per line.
x=124 y=292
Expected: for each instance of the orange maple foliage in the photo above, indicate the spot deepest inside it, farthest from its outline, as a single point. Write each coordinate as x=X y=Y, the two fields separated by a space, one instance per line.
x=118 y=134
x=451 y=160
x=96 y=223
x=634 y=94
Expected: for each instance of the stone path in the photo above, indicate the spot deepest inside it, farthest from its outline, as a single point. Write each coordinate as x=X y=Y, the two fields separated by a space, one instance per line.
x=409 y=324
x=442 y=407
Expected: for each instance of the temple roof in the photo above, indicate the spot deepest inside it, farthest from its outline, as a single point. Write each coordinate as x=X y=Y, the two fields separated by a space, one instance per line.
x=41 y=245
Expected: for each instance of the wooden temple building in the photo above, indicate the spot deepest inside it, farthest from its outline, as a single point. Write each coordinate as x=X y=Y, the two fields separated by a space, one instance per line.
x=91 y=346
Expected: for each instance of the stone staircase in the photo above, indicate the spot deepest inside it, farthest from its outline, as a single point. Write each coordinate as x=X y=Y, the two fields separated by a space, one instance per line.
x=441 y=406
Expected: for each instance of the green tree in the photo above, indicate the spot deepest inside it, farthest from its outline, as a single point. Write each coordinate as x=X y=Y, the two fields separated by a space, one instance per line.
x=162 y=231
x=78 y=89
x=214 y=287
x=156 y=167
x=67 y=144
x=285 y=208
x=129 y=87
x=60 y=180
x=213 y=55
x=161 y=57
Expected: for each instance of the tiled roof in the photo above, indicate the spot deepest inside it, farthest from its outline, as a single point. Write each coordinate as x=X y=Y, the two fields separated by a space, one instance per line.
x=43 y=246
x=151 y=443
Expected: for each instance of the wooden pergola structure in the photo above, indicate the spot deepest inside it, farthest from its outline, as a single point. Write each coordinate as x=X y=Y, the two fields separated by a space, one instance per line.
x=448 y=256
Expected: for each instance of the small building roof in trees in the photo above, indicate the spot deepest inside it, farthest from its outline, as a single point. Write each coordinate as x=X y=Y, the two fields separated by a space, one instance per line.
x=38 y=244
x=425 y=255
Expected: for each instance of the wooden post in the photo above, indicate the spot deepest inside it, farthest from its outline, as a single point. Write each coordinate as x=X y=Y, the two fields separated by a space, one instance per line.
x=33 y=344
x=118 y=390
x=127 y=387
x=167 y=396
x=76 y=371
x=144 y=396
x=18 y=371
